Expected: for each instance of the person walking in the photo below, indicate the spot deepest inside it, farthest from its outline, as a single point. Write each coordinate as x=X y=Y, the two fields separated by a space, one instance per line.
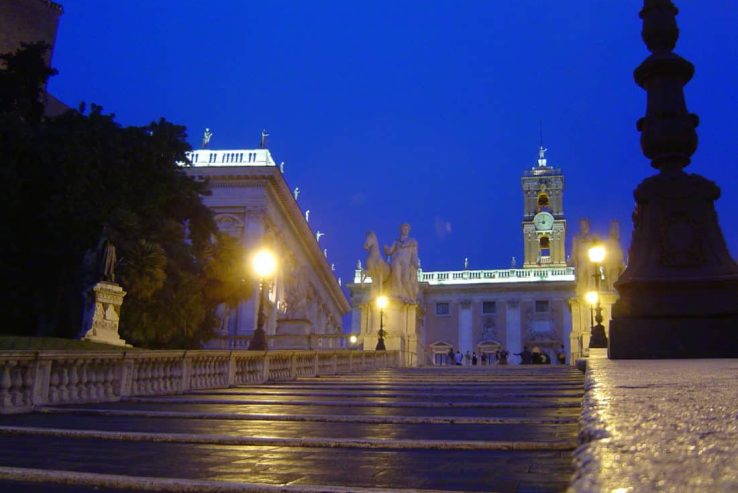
x=459 y=358
x=474 y=359
x=525 y=356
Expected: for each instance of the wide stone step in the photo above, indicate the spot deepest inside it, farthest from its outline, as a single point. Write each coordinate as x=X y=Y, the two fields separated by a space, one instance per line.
x=508 y=430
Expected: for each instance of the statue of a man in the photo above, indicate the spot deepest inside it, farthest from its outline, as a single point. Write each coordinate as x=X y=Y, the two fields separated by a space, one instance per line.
x=584 y=269
x=615 y=259
x=108 y=261
x=404 y=273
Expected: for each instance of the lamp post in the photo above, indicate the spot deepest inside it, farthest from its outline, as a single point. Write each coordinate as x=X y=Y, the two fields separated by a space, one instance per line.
x=382 y=303
x=597 y=338
x=591 y=297
x=264 y=264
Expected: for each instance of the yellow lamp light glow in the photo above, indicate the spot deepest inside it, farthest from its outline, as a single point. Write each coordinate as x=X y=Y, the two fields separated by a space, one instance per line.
x=591 y=297
x=264 y=263
x=596 y=254
x=353 y=339
x=382 y=302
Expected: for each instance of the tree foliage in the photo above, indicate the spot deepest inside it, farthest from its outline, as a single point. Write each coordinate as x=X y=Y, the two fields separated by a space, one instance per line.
x=64 y=180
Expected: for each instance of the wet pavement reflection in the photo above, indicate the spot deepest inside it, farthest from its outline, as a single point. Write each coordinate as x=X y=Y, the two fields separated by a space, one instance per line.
x=345 y=431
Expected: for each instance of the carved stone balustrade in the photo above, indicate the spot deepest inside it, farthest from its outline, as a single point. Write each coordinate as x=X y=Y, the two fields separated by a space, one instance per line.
x=32 y=379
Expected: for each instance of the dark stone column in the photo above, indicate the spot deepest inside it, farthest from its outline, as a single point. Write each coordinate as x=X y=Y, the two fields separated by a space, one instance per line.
x=679 y=293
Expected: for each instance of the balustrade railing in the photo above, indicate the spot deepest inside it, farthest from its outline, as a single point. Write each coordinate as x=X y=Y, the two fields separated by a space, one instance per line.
x=534 y=274
x=30 y=379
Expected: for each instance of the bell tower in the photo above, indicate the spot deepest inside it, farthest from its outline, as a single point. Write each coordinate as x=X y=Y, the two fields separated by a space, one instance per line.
x=544 y=226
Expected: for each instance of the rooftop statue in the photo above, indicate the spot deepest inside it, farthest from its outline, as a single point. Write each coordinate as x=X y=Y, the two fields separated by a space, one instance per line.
x=206 y=138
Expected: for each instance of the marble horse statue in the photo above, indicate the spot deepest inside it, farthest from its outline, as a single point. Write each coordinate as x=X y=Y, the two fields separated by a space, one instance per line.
x=376 y=267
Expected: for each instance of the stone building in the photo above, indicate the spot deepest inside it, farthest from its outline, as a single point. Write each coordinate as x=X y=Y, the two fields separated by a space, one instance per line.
x=29 y=21
x=252 y=202
x=481 y=311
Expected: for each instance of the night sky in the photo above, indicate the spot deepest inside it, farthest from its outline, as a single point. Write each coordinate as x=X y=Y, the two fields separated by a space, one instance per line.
x=419 y=111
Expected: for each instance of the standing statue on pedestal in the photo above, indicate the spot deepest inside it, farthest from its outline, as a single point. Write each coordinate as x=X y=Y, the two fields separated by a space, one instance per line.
x=583 y=268
x=103 y=297
x=404 y=266
x=615 y=259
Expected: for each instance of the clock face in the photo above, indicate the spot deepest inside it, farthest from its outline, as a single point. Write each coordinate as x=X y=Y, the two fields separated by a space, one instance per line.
x=543 y=221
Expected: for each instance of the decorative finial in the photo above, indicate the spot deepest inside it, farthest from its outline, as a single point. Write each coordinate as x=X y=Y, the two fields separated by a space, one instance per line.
x=466 y=263
x=339 y=282
x=296 y=193
x=668 y=135
x=263 y=142
x=513 y=263
x=281 y=167
x=307 y=215
x=333 y=267
x=358 y=264
x=325 y=252
x=318 y=236
x=206 y=138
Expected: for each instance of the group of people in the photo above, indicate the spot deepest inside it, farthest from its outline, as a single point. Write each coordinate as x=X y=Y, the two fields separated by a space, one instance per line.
x=538 y=357
x=471 y=358
x=499 y=357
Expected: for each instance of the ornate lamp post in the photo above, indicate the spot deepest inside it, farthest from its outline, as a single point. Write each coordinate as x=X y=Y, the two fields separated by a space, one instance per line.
x=597 y=338
x=264 y=264
x=382 y=303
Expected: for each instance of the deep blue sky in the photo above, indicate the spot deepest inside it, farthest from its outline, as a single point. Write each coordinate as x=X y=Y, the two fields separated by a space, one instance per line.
x=419 y=111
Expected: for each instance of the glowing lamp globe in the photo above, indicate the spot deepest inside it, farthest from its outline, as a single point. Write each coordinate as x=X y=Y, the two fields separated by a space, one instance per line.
x=382 y=302
x=596 y=254
x=264 y=263
x=353 y=339
x=591 y=297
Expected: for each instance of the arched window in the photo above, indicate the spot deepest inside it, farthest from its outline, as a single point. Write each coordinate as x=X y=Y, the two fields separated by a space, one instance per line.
x=544 y=244
x=542 y=200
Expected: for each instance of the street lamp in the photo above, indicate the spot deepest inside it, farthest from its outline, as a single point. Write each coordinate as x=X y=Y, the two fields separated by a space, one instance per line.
x=264 y=263
x=597 y=338
x=591 y=297
x=382 y=303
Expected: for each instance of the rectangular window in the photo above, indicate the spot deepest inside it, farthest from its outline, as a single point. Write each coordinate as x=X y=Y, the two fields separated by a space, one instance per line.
x=489 y=307
x=442 y=309
x=541 y=306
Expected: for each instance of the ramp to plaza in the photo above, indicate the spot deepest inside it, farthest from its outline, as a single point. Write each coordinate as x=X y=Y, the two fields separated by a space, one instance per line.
x=449 y=428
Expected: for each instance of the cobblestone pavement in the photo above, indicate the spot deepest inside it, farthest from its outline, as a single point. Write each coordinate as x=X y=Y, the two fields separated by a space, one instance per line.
x=506 y=429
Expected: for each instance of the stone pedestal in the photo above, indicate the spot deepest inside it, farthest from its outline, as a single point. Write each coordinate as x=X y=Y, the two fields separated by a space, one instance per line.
x=102 y=324
x=679 y=294
x=402 y=330
x=291 y=334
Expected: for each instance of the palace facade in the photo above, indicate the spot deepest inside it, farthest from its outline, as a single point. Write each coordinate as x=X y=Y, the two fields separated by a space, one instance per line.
x=252 y=202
